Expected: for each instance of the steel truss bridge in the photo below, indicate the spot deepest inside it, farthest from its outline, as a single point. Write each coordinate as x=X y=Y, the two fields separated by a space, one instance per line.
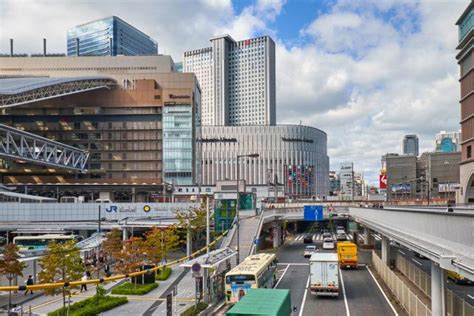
x=20 y=145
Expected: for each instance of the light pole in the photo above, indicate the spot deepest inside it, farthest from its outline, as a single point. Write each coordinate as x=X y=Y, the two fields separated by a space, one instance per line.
x=237 y=204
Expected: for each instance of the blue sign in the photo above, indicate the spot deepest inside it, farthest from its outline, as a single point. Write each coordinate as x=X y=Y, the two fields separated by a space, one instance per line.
x=313 y=212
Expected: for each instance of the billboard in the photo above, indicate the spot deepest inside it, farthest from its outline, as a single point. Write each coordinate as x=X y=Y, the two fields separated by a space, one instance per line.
x=383 y=181
x=401 y=188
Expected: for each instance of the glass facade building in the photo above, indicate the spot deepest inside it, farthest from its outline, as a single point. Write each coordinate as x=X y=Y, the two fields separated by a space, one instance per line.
x=110 y=36
x=178 y=144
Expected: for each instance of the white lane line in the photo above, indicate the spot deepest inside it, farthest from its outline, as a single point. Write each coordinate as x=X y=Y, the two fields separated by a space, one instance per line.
x=417 y=262
x=292 y=264
x=401 y=252
x=315 y=237
x=276 y=285
x=344 y=293
x=304 y=297
x=470 y=296
x=383 y=293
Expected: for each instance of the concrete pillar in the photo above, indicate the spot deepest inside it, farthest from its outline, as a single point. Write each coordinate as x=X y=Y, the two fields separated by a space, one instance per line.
x=124 y=233
x=366 y=235
x=296 y=227
x=189 y=243
x=277 y=236
x=386 y=250
x=438 y=290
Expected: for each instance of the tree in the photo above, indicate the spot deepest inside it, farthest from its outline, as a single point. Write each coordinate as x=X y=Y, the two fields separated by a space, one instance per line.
x=113 y=244
x=11 y=267
x=62 y=263
x=194 y=221
x=130 y=258
x=160 y=241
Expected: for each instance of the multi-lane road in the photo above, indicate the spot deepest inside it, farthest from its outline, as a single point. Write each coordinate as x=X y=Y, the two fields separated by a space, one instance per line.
x=360 y=293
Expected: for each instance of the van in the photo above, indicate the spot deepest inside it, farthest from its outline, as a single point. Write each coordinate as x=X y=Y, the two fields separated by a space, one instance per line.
x=347 y=254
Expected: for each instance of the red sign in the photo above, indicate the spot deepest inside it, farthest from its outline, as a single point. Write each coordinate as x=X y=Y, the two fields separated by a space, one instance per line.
x=383 y=181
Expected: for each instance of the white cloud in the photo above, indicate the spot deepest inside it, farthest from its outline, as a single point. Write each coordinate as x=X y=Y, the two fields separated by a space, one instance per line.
x=368 y=73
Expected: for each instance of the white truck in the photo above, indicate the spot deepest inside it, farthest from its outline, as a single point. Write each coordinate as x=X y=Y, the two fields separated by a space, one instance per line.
x=324 y=274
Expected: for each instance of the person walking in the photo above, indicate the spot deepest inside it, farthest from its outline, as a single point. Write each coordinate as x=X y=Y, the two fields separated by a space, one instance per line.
x=29 y=281
x=84 y=278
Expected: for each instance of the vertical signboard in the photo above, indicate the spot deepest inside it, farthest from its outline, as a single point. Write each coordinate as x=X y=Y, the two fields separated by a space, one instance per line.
x=383 y=181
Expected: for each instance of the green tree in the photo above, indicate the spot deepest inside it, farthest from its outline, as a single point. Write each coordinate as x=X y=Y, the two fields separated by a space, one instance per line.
x=62 y=263
x=11 y=267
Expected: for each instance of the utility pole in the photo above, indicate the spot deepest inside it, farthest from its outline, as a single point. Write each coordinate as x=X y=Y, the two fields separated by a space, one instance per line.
x=208 y=233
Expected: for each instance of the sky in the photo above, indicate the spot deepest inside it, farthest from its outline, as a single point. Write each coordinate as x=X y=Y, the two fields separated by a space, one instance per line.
x=366 y=72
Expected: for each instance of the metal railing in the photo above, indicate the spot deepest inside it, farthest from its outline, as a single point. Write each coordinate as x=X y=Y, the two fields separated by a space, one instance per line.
x=410 y=302
x=455 y=305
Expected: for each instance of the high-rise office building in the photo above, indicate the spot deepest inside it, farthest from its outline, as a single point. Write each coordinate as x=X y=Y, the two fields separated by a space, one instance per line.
x=237 y=80
x=448 y=142
x=466 y=63
x=110 y=36
x=410 y=145
x=346 y=178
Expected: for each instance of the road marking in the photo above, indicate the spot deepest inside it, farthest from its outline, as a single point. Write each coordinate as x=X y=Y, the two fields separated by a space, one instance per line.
x=304 y=296
x=470 y=296
x=281 y=277
x=383 y=293
x=344 y=293
x=402 y=252
x=417 y=262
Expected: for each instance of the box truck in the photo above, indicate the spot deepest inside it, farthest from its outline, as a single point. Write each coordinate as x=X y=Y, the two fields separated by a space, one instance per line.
x=324 y=274
x=347 y=254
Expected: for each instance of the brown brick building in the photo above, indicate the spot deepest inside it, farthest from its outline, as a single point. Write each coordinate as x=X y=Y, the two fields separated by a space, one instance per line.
x=466 y=63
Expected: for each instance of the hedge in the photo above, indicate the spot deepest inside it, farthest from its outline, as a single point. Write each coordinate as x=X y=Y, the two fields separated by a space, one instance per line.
x=90 y=306
x=131 y=289
x=164 y=274
x=193 y=312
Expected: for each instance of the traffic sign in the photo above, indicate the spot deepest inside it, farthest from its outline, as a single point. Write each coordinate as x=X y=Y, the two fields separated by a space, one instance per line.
x=196 y=269
x=313 y=212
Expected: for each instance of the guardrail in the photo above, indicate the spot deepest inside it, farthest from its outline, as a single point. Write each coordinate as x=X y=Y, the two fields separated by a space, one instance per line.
x=410 y=302
x=455 y=305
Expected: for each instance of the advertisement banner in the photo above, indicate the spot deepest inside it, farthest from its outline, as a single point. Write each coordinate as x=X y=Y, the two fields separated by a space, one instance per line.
x=383 y=181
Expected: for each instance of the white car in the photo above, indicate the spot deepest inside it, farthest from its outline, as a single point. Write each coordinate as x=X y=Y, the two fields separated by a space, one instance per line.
x=340 y=230
x=309 y=250
x=328 y=243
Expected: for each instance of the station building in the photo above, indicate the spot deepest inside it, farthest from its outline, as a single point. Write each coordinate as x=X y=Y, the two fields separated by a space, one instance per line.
x=138 y=121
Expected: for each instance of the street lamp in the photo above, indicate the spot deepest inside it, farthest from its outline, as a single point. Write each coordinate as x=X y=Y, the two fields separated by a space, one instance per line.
x=255 y=155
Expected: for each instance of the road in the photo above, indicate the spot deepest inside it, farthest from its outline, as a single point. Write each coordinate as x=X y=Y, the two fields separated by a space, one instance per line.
x=362 y=294
x=464 y=291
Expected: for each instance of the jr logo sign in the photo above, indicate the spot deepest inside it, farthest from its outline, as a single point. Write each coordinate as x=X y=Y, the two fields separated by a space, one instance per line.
x=111 y=209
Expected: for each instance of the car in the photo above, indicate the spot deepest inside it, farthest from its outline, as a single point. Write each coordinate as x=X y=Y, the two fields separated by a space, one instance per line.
x=309 y=250
x=341 y=237
x=308 y=239
x=328 y=243
x=340 y=230
x=327 y=235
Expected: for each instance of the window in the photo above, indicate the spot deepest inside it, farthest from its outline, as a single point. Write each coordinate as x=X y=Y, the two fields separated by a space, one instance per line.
x=469 y=151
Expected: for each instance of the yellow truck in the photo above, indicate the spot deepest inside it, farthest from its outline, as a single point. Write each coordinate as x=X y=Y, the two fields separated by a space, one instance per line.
x=347 y=254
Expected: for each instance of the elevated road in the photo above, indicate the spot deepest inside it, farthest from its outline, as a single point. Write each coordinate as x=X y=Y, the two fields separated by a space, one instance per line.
x=444 y=238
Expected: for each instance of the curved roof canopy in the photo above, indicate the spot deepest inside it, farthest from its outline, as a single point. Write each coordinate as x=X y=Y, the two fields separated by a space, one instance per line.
x=22 y=90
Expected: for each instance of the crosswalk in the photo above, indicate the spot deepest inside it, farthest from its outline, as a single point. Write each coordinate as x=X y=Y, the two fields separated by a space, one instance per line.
x=317 y=237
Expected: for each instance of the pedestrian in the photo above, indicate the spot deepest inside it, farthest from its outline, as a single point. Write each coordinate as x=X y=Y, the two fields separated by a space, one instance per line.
x=29 y=281
x=84 y=286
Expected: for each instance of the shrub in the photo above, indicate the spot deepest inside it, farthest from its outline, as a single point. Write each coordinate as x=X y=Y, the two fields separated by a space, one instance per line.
x=132 y=289
x=192 y=311
x=91 y=306
x=164 y=274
